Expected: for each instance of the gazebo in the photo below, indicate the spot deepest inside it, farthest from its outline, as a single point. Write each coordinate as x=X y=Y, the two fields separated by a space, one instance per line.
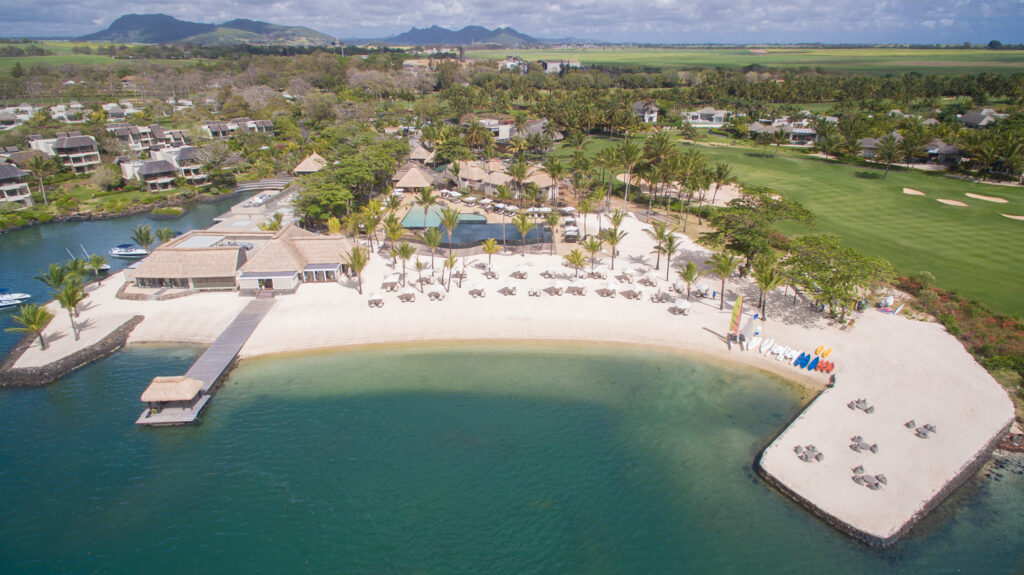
x=415 y=178
x=312 y=164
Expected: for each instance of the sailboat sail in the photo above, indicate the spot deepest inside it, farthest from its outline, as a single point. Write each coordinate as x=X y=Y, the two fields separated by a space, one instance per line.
x=737 y=311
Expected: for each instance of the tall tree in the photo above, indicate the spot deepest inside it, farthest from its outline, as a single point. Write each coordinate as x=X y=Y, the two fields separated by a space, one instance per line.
x=629 y=156
x=836 y=273
x=356 y=259
x=403 y=251
x=657 y=232
x=524 y=224
x=450 y=220
x=888 y=152
x=143 y=237
x=593 y=246
x=551 y=219
x=723 y=264
x=43 y=168
x=576 y=259
x=69 y=296
x=669 y=246
x=613 y=237
x=745 y=224
x=432 y=239
x=689 y=274
x=32 y=318
x=490 y=247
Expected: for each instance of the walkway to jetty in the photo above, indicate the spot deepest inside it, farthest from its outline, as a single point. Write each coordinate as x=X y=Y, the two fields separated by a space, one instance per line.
x=214 y=363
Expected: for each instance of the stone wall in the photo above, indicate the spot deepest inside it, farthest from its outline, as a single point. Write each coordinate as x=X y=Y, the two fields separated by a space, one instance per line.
x=43 y=375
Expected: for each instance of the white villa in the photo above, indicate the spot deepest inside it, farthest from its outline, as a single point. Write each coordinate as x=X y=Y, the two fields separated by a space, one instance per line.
x=79 y=153
x=12 y=185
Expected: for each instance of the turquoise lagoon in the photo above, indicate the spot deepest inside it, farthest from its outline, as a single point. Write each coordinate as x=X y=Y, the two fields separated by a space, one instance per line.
x=442 y=459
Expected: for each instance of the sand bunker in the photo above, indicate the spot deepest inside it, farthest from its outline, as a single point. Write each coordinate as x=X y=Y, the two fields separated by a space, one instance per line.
x=1013 y=217
x=911 y=192
x=954 y=203
x=988 y=198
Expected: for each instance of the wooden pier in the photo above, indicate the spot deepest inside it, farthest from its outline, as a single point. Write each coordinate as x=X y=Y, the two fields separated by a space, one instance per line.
x=210 y=367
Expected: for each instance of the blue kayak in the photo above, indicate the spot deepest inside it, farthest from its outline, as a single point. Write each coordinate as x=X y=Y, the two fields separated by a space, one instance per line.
x=814 y=363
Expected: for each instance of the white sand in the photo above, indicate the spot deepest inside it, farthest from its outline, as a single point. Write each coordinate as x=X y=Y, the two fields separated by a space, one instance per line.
x=906 y=368
x=988 y=198
x=952 y=203
x=1013 y=217
x=912 y=192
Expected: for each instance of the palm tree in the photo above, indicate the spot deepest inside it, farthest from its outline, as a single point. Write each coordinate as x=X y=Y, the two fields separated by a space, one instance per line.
x=519 y=169
x=32 y=318
x=69 y=296
x=273 y=224
x=426 y=200
x=658 y=231
x=722 y=175
x=524 y=224
x=403 y=251
x=53 y=276
x=371 y=217
x=551 y=219
x=768 y=278
x=490 y=247
x=576 y=259
x=449 y=219
x=584 y=207
x=689 y=274
x=432 y=239
x=420 y=266
x=669 y=246
x=889 y=152
x=608 y=159
x=629 y=155
x=393 y=229
x=556 y=170
x=449 y=264
x=95 y=263
x=593 y=246
x=778 y=138
x=356 y=259
x=616 y=218
x=765 y=140
x=723 y=264
x=42 y=168
x=143 y=237
x=503 y=195
x=613 y=236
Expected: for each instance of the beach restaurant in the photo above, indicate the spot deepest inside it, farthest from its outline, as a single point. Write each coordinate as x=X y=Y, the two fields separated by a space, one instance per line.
x=291 y=257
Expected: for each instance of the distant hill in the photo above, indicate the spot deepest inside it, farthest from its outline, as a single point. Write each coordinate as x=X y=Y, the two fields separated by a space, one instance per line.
x=469 y=35
x=164 y=29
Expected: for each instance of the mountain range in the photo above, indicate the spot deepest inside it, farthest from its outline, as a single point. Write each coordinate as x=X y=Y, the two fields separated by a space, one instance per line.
x=164 y=29
x=469 y=35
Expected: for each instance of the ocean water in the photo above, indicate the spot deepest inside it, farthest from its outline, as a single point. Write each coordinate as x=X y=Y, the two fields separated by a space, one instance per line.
x=513 y=459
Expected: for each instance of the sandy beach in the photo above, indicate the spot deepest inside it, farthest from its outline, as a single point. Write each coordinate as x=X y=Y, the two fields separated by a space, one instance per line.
x=907 y=369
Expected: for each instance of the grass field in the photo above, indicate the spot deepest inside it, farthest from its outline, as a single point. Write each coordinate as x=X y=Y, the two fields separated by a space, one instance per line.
x=972 y=249
x=60 y=53
x=864 y=60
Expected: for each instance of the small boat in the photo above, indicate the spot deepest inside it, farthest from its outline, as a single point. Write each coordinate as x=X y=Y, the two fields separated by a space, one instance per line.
x=12 y=299
x=827 y=352
x=814 y=363
x=128 y=251
x=105 y=268
x=767 y=345
x=819 y=350
x=783 y=352
x=798 y=359
x=754 y=343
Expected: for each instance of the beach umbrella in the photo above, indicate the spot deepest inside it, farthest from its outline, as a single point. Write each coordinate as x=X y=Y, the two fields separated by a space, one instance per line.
x=498 y=206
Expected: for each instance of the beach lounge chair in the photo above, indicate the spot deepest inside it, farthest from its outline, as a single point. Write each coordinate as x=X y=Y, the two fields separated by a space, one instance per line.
x=435 y=293
x=376 y=300
x=509 y=288
x=407 y=294
x=556 y=288
x=478 y=290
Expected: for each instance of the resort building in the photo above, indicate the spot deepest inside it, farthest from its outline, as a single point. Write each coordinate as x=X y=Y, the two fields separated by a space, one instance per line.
x=196 y=261
x=421 y=154
x=514 y=63
x=556 y=67
x=8 y=121
x=155 y=175
x=940 y=152
x=172 y=394
x=708 y=117
x=187 y=160
x=224 y=130
x=646 y=110
x=79 y=153
x=12 y=185
x=291 y=257
x=981 y=119
x=500 y=129
x=139 y=138
x=311 y=165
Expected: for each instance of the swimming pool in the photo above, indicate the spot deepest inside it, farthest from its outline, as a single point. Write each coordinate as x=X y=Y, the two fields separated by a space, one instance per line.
x=469 y=234
x=414 y=219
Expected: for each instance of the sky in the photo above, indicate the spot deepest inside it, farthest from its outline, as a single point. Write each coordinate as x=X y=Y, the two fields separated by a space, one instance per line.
x=642 y=21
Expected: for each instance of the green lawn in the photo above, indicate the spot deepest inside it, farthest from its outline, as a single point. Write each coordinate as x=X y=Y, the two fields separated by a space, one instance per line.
x=60 y=53
x=865 y=60
x=972 y=249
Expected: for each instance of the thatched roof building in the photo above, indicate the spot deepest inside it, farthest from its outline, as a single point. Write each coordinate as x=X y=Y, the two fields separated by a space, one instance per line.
x=176 y=388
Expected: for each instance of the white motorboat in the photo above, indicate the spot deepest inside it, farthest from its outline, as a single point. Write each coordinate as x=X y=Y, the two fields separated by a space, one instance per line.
x=12 y=299
x=128 y=251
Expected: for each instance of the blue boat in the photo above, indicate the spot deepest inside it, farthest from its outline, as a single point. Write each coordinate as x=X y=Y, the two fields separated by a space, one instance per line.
x=814 y=363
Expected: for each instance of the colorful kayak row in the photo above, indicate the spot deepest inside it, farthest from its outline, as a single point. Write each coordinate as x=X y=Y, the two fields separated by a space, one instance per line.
x=810 y=362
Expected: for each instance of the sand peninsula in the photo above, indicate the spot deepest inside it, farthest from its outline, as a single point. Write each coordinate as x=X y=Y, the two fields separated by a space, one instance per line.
x=906 y=370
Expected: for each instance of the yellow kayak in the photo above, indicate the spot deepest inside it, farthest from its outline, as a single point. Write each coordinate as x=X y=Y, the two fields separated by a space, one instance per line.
x=818 y=351
x=827 y=352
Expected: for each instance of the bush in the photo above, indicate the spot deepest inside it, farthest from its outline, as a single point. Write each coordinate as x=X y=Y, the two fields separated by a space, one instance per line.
x=924 y=279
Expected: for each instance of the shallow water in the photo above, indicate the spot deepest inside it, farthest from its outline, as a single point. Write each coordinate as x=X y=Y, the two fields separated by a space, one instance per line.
x=437 y=459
